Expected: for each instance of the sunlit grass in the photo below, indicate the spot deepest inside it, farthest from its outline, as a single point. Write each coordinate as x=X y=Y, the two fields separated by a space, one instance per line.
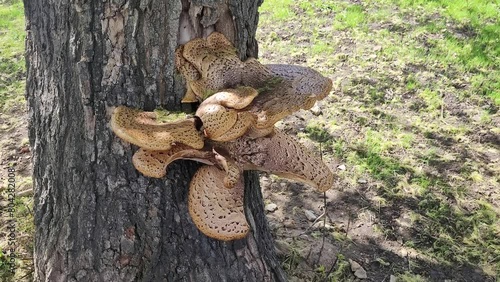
x=12 y=63
x=279 y=9
x=351 y=17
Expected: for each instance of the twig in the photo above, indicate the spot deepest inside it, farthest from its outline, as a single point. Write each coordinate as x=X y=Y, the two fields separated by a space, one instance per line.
x=341 y=246
x=324 y=203
x=323 y=232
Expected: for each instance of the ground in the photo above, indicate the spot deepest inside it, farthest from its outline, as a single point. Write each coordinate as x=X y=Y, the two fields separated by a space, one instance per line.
x=411 y=129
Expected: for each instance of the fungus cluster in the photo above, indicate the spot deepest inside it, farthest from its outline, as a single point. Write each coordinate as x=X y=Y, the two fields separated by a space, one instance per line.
x=240 y=101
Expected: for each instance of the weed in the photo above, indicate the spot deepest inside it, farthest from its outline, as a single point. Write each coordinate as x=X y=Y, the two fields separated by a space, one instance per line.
x=291 y=261
x=318 y=133
x=342 y=271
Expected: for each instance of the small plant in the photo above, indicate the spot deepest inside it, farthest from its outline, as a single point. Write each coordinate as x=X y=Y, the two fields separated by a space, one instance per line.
x=342 y=271
x=291 y=261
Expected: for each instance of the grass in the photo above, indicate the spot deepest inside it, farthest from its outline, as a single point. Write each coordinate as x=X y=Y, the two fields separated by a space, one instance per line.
x=473 y=44
x=351 y=17
x=280 y=8
x=415 y=85
x=12 y=64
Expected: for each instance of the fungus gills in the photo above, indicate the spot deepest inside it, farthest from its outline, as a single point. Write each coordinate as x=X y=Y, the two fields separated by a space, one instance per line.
x=240 y=103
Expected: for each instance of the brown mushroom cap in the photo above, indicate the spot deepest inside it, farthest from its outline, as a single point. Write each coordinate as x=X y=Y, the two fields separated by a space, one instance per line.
x=243 y=124
x=154 y=163
x=190 y=74
x=305 y=81
x=217 y=41
x=254 y=132
x=282 y=155
x=216 y=211
x=217 y=120
x=236 y=98
x=220 y=119
x=141 y=129
x=219 y=65
x=300 y=89
x=194 y=51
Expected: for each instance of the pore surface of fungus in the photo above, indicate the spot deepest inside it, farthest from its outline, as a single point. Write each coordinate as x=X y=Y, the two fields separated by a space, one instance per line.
x=240 y=103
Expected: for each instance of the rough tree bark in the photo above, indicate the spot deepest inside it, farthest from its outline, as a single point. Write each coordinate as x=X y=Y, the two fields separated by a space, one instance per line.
x=96 y=217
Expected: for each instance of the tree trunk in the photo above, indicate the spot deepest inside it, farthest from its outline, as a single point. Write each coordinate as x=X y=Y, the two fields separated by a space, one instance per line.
x=96 y=217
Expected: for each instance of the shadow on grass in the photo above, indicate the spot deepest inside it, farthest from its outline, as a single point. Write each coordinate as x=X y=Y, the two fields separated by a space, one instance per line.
x=451 y=242
x=381 y=260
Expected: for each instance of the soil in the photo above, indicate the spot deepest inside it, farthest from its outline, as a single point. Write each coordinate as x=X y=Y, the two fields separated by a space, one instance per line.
x=14 y=149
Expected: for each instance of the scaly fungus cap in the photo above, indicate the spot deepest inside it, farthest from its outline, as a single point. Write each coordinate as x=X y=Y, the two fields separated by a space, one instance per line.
x=300 y=88
x=220 y=116
x=190 y=74
x=154 y=163
x=217 y=211
x=141 y=129
x=218 y=65
x=281 y=155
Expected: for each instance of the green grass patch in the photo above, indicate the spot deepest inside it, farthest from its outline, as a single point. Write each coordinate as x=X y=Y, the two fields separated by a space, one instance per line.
x=432 y=99
x=410 y=277
x=278 y=9
x=351 y=17
x=474 y=41
x=342 y=271
x=417 y=81
x=12 y=63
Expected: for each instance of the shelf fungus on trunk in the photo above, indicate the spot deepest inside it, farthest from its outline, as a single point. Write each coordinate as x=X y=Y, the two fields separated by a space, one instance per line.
x=240 y=103
x=142 y=129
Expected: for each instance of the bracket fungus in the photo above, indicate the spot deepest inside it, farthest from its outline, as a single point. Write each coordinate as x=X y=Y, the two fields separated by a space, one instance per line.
x=240 y=101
